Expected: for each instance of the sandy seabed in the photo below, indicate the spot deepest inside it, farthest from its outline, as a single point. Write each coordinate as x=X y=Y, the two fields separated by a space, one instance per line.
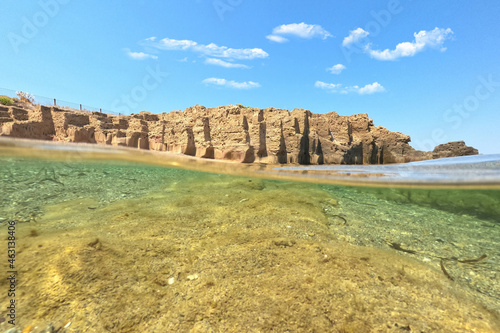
x=213 y=253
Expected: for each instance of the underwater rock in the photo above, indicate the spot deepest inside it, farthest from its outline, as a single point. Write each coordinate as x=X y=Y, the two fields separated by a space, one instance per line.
x=284 y=243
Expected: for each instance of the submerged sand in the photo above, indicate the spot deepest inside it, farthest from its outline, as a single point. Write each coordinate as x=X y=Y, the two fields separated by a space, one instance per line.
x=213 y=253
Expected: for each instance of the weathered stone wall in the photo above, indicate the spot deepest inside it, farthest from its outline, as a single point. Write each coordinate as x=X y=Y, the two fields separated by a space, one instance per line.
x=228 y=132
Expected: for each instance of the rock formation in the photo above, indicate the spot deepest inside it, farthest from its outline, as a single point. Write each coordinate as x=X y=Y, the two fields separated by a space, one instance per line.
x=228 y=132
x=456 y=148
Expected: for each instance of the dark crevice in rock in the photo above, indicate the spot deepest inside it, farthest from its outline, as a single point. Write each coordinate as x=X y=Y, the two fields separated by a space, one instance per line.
x=249 y=155
x=354 y=155
x=245 y=128
x=163 y=134
x=190 y=146
x=296 y=126
x=209 y=153
x=374 y=154
x=330 y=134
x=282 y=154
x=319 y=153
x=262 y=140
x=245 y=123
x=349 y=132
x=304 y=156
x=206 y=129
x=260 y=116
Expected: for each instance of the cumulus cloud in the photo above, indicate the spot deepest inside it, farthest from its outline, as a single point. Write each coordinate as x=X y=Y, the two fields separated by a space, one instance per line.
x=139 y=55
x=212 y=50
x=368 y=89
x=336 y=69
x=301 y=30
x=277 y=39
x=354 y=36
x=222 y=63
x=328 y=86
x=226 y=52
x=231 y=84
x=173 y=44
x=375 y=87
x=423 y=39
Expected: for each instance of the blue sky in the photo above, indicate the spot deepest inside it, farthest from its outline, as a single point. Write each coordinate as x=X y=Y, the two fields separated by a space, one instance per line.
x=429 y=69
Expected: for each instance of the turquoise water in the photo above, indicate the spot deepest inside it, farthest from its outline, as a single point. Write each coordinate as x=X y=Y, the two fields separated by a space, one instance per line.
x=123 y=240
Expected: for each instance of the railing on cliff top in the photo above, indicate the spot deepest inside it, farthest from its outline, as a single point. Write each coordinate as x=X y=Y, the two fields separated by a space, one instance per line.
x=46 y=101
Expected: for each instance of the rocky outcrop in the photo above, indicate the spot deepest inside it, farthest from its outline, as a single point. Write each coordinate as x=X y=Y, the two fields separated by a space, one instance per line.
x=456 y=148
x=228 y=132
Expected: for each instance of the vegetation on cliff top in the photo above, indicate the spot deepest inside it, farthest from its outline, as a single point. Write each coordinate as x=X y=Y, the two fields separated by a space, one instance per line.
x=5 y=100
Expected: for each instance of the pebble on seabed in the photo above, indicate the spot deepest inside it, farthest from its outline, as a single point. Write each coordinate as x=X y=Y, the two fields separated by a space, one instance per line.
x=28 y=329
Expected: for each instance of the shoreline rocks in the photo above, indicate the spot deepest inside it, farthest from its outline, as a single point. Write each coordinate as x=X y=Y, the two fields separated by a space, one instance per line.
x=244 y=134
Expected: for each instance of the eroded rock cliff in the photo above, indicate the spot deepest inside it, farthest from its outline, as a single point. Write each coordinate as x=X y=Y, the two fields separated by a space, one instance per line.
x=228 y=132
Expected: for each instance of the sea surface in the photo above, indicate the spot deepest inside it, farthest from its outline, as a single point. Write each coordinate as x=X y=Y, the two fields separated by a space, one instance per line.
x=110 y=239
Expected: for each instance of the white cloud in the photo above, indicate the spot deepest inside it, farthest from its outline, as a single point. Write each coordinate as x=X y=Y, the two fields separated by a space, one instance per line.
x=185 y=59
x=222 y=63
x=336 y=69
x=323 y=85
x=354 y=36
x=277 y=39
x=231 y=84
x=139 y=55
x=423 y=39
x=368 y=89
x=301 y=30
x=226 y=52
x=375 y=87
x=173 y=44
x=216 y=81
x=212 y=50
